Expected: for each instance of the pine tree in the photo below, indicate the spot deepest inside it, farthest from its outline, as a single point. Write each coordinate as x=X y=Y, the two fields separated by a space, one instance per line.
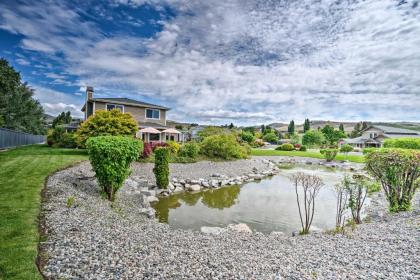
x=306 y=125
x=291 y=127
x=341 y=127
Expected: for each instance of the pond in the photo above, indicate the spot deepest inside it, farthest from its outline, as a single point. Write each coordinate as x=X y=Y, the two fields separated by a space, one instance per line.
x=265 y=206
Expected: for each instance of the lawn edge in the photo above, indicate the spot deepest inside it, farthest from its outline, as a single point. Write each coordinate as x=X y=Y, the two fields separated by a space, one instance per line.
x=41 y=256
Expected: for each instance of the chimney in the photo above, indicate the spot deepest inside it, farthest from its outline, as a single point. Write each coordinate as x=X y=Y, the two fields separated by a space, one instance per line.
x=89 y=93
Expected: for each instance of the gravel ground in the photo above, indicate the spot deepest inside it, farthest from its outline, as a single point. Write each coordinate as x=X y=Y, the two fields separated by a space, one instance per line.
x=95 y=239
x=201 y=169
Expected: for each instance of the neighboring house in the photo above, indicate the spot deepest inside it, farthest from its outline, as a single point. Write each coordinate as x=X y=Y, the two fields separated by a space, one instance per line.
x=72 y=126
x=375 y=135
x=151 y=118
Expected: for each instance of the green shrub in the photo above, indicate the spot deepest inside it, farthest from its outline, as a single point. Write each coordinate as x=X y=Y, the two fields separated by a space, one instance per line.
x=190 y=150
x=346 y=148
x=247 y=137
x=373 y=187
x=161 y=169
x=111 y=157
x=329 y=154
x=397 y=170
x=303 y=148
x=173 y=147
x=286 y=147
x=104 y=123
x=58 y=137
x=404 y=143
x=369 y=150
x=223 y=146
x=313 y=138
x=270 y=137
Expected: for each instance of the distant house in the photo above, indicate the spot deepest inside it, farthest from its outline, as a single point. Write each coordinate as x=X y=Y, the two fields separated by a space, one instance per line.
x=375 y=135
x=151 y=118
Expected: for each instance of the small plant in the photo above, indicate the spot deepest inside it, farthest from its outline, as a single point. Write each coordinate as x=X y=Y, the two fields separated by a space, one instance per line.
x=397 y=170
x=70 y=201
x=329 y=154
x=111 y=157
x=161 y=169
x=190 y=149
x=303 y=148
x=286 y=147
x=373 y=187
x=310 y=185
x=147 y=150
x=357 y=191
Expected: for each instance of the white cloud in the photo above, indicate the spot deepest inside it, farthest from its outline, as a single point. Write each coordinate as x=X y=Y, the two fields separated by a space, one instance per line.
x=248 y=60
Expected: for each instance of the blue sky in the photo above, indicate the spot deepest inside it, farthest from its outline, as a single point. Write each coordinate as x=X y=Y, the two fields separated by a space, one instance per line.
x=222 y=61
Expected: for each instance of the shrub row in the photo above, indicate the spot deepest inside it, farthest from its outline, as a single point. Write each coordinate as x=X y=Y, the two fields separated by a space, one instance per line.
x=404 y=143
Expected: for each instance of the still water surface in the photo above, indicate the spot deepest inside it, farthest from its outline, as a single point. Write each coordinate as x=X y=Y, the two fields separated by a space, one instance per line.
x=265 y=206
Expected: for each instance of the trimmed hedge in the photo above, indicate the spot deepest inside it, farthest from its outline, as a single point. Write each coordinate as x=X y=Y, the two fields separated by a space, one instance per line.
x=161 y=169
x=111 y=157
x=403 y=143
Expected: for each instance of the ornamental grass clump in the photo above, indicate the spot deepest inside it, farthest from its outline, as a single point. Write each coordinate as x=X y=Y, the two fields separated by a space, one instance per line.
x=111 y=157
x=161 y=169
x=397 y=170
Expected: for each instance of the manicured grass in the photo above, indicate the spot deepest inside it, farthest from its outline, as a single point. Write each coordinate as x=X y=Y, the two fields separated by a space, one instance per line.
x=311 y=154
x=22 y=175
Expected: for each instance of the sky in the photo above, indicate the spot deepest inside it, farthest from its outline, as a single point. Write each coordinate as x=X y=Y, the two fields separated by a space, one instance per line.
x=222 y=61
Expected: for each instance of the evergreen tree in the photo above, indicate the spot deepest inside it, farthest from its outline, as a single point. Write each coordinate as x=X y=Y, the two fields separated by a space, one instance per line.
x=341 y=127
x=18 y=109
x=231 y=126
x=306 y=125
x=262 y=129
x=291 y=127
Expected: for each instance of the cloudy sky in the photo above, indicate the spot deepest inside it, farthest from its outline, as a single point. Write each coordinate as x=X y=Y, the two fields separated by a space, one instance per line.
x=222 y=61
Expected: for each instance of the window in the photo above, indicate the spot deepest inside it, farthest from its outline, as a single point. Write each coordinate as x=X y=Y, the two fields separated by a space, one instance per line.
x=152 y=114
x=110 y=107
x=373 y=135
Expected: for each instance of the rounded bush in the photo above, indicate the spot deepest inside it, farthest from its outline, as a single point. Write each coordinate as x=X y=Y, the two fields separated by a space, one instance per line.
x=303 y=148
x=270 y=137
x=329 y=154
x=173 y=147
x=111 y=157
x=346 y=148
x=286 y=147
x=223 y=146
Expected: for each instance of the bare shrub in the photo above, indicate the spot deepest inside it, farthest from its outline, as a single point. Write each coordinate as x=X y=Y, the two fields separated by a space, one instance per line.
x=342 y=202
x=310 y=186
x=357 y=190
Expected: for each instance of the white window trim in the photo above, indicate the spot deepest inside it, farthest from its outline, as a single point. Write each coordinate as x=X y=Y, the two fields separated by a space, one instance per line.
x=123 y=107
x=145 y=114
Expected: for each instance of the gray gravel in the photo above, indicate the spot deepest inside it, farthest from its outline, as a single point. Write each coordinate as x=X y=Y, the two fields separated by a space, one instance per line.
x=95 y=239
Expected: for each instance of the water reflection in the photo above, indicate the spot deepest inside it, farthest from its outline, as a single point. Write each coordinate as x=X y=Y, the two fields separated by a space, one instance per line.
x=269 y=205
x=213 y=198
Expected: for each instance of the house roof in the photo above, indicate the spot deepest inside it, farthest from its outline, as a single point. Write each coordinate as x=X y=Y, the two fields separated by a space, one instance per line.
x=127 y=101
x=394 y=130
x=151 y=124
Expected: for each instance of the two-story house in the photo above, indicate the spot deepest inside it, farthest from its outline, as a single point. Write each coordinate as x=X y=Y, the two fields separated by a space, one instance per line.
x=375 y=135
x=151 y=118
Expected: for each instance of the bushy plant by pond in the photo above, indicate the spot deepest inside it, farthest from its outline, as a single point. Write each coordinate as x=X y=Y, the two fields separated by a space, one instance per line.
x=397 y=170
x=357 y=190
x=190 y=150
x=329 y=154
x=313 y=138
x=285 y=147
x=111 y=157
x=404 y=143
x=310 y=185
x=224 y=146
x=161 y=169
x=104 y=123
x=303 y=148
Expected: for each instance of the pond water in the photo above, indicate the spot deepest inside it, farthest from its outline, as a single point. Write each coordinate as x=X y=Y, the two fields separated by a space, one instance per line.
x=265 y=206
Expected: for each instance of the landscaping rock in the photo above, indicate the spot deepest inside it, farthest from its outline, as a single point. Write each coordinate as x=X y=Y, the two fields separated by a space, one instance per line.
x=241 y=228
x=193 y=188
x=212 y=230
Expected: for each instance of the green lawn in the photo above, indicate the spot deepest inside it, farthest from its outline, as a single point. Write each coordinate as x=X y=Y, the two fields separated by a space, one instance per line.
x=22 y=174
x=311 y=154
